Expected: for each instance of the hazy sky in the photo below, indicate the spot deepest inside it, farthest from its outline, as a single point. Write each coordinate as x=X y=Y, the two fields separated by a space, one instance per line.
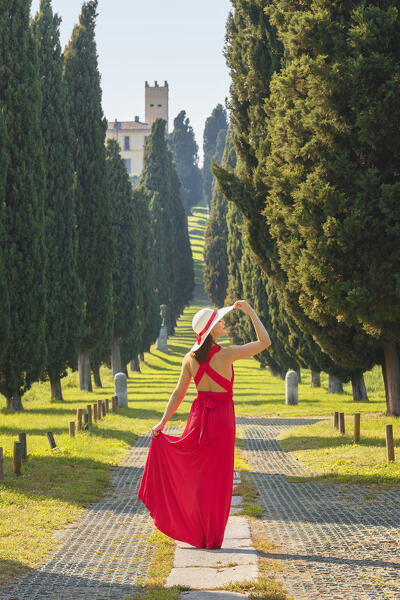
x=180 y=41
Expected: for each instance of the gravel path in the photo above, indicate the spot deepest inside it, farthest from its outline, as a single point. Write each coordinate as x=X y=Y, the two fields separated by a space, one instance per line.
x=336 y=542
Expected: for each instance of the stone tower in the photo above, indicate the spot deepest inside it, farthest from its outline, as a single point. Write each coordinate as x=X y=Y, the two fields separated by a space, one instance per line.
x=156 y=102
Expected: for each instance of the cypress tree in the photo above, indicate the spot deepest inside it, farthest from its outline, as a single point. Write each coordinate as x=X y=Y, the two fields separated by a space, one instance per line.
x=64 y=293
x=214 y=137
x=125 y=270
x=24 y=250
x=336 y=169
x=174 y=265
x=4 y=298
x=185 y=152
x=215 y=271
x=92 y=199
x=254 y=54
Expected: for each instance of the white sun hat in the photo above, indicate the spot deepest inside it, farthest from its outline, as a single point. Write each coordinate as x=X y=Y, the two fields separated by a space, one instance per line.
x=204 y=320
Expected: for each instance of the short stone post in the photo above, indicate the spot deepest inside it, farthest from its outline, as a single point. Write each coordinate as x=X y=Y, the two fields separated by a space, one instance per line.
x=72 y=429
x=99 y=410
x=357 y=418
x=341 y=423
x=162 y=340
x=1 y=465
x=103 y=408
x=121 y=389
x=95 y=412
x=17 y=458
x=389 y=443
x=291 y=388
x=89 y=413
x=336 y=420
x=79 y=413
x=107 y=403
x=22 y=439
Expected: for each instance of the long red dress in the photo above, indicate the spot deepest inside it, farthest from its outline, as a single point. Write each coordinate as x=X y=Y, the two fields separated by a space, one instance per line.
x=187 y=480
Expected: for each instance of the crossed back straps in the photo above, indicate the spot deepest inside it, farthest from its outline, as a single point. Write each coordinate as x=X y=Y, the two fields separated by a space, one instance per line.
x=205 y=368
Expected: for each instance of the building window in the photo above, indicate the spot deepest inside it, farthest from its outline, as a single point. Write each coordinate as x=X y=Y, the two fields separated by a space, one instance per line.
x=159 y=104
x=126 y=143
x=151 y=104
x=128 y=164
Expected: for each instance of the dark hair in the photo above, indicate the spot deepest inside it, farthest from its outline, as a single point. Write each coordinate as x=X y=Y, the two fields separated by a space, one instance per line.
x=201 y=353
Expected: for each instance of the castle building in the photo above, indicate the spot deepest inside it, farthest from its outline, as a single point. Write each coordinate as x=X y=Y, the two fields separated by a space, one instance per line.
x=132 y=135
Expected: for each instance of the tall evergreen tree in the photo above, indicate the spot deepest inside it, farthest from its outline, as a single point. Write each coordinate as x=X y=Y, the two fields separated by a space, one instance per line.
x=214 y=136
x=92 y=199
x=4 y=297
x=335 y=168
x=24 y=248
x=253 y=54
x=126 y=275
x=185 y=152
x=148 y=302
x=64 y=293
x=215 y=271
x=174 y=265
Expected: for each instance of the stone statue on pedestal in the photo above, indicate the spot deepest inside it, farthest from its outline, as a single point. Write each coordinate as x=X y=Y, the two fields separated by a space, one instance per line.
x=162 y=340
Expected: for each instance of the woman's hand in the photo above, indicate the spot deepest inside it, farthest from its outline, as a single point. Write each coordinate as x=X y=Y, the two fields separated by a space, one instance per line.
x=243 y=306
x=156 y=428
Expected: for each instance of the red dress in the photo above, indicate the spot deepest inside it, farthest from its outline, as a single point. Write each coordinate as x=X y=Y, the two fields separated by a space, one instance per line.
x=187 y=481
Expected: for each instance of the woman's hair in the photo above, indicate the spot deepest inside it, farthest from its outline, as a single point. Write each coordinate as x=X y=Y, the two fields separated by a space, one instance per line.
x=201 y=353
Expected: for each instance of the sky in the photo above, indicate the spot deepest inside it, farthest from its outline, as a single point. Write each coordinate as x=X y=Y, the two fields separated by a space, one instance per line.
x=180 y=41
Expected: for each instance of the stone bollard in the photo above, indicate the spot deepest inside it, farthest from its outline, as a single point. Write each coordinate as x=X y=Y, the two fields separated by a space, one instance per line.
x=107 y=403
x=121 y=390
x=72 y=429
x=162 y=340
x=389 y=443
x=89 y=412
x=95 y=412
x=291 y=388
x=1 y=465
x=99 y=410
x=79 y=413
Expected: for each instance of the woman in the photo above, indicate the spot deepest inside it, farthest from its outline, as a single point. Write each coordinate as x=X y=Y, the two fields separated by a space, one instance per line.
x=187 y=481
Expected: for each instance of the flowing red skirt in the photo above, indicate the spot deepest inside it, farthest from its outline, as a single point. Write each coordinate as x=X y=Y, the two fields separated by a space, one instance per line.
x=187 y=480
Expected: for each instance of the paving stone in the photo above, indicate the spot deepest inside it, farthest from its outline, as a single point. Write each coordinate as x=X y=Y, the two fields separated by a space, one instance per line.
x=208 y=578
x=190 y=557
x=237 y=527
x=334 y=541
x=236 y=500
x=214 y=595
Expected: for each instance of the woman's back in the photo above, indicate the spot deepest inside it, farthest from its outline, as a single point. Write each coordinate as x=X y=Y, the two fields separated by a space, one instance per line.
x=220 y=367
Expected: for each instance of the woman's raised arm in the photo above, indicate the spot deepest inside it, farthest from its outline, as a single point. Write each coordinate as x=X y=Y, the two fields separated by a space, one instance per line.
x=235 y=352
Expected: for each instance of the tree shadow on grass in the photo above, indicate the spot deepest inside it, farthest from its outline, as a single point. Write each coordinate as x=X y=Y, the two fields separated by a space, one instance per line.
x=9 y=571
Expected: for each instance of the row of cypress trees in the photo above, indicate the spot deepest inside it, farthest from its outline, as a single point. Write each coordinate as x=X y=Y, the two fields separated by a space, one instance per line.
x=314 y=100
x=78 y=255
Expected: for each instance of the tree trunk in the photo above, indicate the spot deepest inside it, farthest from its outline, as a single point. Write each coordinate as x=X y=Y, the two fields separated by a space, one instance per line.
x=135 y=365
x=115 y=357
x=315 y=379
x=383 y=366
x=15 y=401
x=124 y=369
x=85 y=382
x=392 y=383
x=56 y=390
x=335 y=386
x=358 y=385
x=96 y=376
x=282 y=375
x=141 y=355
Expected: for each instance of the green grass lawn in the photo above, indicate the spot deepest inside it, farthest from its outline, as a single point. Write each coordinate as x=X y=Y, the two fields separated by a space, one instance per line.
x=55 y=486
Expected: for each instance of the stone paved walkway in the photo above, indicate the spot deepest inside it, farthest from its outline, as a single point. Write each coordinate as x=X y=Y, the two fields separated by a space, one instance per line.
x=105 y=554
x=336 y=542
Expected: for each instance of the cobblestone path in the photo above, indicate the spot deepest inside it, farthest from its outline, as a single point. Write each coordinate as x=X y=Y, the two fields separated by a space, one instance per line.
x=336 y=542
x=105 y=554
